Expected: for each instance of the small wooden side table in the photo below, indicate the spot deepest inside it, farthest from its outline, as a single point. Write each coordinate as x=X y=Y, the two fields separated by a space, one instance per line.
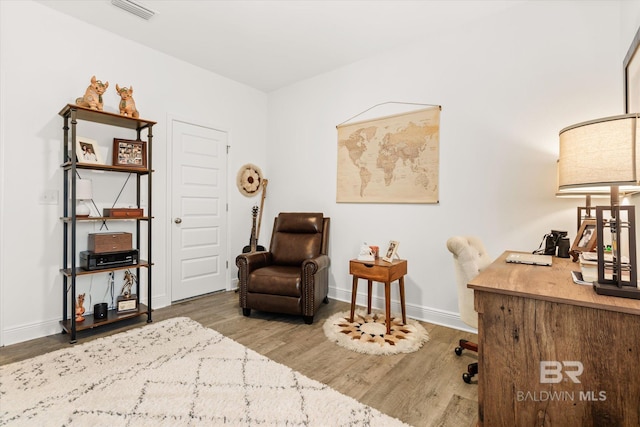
x=383 y=272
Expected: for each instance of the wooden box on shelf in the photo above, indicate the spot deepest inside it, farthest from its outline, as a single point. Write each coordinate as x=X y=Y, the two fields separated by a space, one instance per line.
x=123 y=212
x=109 y=242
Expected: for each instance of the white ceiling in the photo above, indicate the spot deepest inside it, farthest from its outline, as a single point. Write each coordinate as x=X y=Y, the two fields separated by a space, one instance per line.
x=270 y=44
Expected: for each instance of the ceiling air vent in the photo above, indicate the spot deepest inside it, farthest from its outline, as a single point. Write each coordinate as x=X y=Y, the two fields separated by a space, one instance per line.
x=134 y=7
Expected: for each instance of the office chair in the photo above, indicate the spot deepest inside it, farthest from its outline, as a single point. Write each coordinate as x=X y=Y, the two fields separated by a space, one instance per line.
x=292 y=277
x=469 y=258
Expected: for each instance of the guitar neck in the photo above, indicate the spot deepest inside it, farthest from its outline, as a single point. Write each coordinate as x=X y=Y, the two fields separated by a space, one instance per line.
x=253 y=241
x=264 y=194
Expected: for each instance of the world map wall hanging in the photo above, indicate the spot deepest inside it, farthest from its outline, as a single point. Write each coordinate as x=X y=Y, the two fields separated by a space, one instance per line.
x=392 y=159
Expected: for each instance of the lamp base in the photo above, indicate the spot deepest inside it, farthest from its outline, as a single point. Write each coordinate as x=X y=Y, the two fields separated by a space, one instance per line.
x=615 y=291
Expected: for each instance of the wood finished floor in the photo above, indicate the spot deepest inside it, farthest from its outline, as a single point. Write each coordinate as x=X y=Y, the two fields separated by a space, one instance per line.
x=423 y=389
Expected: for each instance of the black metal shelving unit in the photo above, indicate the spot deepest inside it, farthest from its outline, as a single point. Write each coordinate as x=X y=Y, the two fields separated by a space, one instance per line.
x=70 y=271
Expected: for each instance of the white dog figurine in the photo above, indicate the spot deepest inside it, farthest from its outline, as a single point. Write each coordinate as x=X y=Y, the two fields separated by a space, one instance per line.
x=127 y=104
x=93 y=95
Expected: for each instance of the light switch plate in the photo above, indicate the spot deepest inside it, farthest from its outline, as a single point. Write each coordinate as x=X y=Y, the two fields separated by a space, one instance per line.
x=49 y=197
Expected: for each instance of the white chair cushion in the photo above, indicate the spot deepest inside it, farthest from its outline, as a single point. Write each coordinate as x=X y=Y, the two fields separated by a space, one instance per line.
x=470 y=258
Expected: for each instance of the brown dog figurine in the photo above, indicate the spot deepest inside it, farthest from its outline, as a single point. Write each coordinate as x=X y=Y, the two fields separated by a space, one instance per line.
x=93 y=96
x=127 y=104
x=80 y=308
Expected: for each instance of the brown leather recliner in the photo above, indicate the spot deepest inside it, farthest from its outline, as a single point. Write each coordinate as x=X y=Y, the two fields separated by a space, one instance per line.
x=293 y=276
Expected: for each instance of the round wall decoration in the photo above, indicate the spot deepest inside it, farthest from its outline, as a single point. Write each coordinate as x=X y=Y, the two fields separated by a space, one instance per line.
x=249 y=180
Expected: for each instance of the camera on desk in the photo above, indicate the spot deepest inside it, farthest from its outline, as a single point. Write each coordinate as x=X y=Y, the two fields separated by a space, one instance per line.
x=557 y=239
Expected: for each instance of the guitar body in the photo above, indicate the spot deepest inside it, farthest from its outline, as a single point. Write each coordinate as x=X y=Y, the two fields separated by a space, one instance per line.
x=253 y=240
x=259 y=248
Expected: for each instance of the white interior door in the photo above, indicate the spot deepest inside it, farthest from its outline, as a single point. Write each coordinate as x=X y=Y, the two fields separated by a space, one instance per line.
x=199 y=199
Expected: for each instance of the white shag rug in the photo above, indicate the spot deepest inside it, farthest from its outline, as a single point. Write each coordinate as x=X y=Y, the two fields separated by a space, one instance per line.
x=368 y=333
x=171 y=373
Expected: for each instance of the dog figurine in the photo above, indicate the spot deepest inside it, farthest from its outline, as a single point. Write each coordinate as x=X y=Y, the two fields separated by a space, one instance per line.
x=80 y=308
x=127 y=104
x=93 y=96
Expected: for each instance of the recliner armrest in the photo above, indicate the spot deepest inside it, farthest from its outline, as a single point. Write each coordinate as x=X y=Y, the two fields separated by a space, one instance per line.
x=253 y=260
x=315 y=264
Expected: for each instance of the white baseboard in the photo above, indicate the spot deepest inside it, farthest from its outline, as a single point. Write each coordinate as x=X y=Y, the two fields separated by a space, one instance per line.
x=32 y=331
x=424 y=314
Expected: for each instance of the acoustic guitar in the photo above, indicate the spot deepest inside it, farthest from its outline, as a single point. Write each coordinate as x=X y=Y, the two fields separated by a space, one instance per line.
x=255 y=233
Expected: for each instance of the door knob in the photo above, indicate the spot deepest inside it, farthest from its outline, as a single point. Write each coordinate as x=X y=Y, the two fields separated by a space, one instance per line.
x=177 y=220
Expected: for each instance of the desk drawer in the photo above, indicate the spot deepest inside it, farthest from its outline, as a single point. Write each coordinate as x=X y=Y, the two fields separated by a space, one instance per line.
x=369 y=271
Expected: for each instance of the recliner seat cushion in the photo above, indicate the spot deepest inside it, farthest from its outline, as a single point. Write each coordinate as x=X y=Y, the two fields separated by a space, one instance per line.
x=275 y=280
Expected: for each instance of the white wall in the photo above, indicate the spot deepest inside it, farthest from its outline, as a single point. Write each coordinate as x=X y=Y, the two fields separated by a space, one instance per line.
x=507 y=86
x=630 y=22
x=47 y=60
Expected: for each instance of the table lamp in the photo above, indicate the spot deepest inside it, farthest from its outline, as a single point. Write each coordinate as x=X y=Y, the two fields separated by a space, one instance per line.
x=83 y=193
x=578 y=193
x=602 y=153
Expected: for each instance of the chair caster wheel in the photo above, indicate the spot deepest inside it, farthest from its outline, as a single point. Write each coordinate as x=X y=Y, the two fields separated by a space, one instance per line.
x=466 y=378
x=458 y=351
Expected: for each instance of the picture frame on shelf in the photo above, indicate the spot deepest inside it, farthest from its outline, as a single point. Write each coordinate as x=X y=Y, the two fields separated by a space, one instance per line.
x=87 y=151
x=586 y=238
x=392 y=251
x=129 y=153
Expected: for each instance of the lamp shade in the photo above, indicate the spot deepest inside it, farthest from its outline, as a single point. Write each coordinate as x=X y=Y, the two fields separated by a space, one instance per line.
x=600 y=153
x=84 y=190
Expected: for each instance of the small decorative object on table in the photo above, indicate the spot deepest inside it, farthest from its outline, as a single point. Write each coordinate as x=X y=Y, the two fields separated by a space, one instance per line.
x=80 y=308
x=366 y=253
x=127 y=301
x=93 y=95
x=392 y=251
x=127 y=105
x=375 y=250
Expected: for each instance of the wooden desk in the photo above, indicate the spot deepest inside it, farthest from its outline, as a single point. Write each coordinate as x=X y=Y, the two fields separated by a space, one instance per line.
x=379 y=271
x=536 y=331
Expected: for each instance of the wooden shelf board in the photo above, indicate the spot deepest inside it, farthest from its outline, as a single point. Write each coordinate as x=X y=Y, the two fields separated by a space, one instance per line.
x=105 y=218
x=81 y=272
x=105 y=118
x=112 y=317
x=110 y=168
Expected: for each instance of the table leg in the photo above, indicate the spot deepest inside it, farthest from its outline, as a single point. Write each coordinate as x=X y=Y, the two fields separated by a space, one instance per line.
x=387 y=305
x=404 y=310
x=370 y=286
x=354 y=289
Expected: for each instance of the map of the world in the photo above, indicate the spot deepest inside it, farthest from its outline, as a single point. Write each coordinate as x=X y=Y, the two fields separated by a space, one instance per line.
x=391 y=159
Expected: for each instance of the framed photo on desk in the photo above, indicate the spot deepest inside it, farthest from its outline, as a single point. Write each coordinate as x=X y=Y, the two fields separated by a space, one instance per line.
x=391 y=251
x=586 y=238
